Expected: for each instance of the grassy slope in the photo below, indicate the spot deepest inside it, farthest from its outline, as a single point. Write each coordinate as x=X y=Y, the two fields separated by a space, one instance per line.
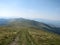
x=27 y=36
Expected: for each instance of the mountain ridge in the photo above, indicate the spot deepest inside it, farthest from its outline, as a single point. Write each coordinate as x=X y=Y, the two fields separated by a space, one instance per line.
x=56 y=23
x=21 y=22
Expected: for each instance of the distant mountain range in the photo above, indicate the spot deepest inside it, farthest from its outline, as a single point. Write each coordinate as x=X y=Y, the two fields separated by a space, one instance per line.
x=3 y=21
x=21 y=22
x=50 y=22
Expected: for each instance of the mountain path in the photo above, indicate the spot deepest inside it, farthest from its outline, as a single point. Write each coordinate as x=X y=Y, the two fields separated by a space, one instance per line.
x=15 y=42
x=23 y=38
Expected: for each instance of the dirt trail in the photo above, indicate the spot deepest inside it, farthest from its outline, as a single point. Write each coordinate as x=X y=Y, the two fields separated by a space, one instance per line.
x=15 y=42
x=23 y=38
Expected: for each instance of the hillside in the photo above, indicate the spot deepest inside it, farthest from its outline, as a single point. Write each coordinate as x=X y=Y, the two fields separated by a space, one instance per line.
x=21 y=22
x=21 y=31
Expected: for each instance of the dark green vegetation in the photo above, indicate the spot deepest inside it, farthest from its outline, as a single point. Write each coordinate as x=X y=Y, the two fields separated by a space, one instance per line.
x=27 y=32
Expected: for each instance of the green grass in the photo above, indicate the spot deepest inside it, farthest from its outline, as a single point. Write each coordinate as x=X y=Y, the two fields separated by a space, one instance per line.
x=7 y=35
x=27 y=36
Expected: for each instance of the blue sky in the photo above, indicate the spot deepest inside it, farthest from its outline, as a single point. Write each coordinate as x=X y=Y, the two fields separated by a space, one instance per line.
x=44 y=9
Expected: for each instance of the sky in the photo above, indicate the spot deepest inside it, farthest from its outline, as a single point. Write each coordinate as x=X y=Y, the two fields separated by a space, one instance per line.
x=44 y=9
